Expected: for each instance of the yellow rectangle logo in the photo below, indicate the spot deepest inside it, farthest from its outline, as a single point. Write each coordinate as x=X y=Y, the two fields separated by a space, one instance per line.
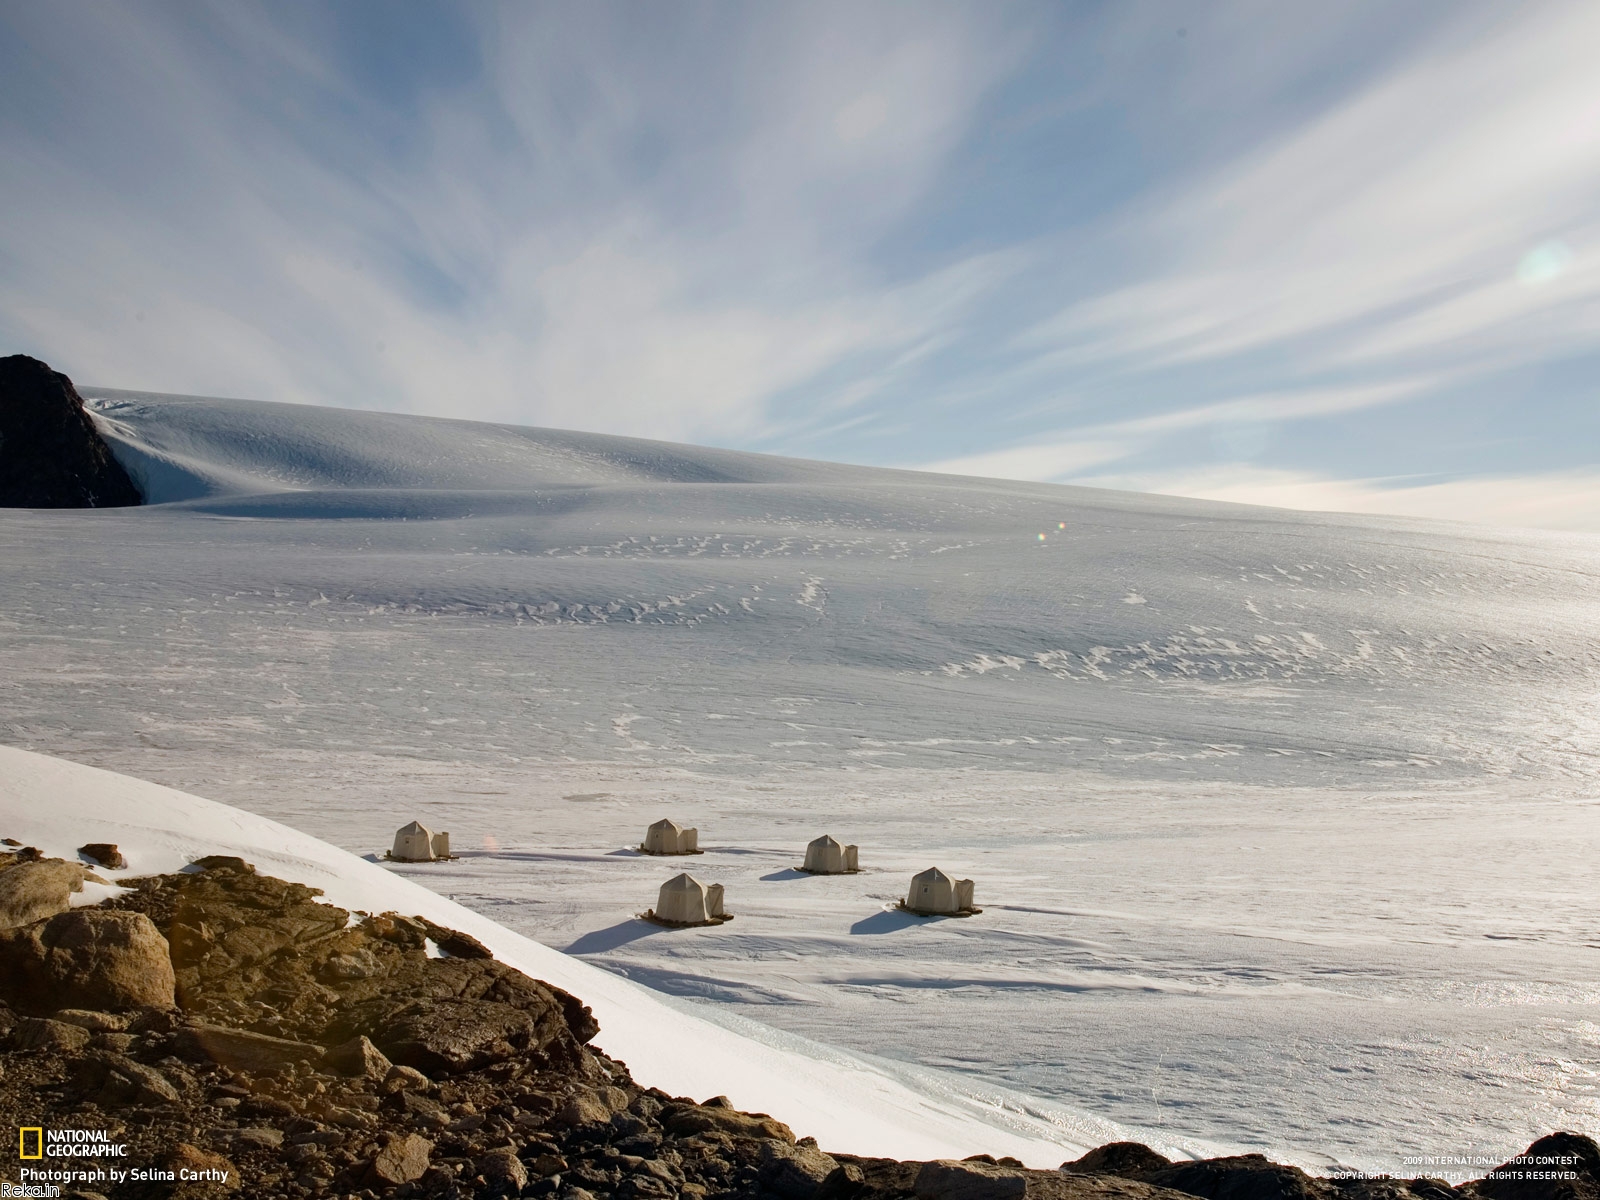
x=38 y=1142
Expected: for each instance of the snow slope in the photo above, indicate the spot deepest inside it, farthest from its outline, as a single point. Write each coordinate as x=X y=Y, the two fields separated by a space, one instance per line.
x=1284 y=823
x=845 y=1103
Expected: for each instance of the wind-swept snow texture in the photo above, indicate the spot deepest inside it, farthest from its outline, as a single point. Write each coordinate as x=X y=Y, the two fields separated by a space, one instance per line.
x=1284 y=825
x=846 y=1103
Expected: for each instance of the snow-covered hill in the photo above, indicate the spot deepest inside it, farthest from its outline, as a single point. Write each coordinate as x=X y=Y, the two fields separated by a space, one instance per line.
x=1283 y=823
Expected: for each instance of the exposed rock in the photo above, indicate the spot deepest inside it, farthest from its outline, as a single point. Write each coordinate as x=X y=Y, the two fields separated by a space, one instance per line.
x=403 y=1079
x=111 y=1079
x=358 y=1056
x=684 y=1120
x=503 y=1171
x=31 y=891
x=51 y=455
x=202 y=1173
x=104 y=853
x=95 y=1022
x=1556 y=1154
x=793 y=1172
x=52 y=1036
x=86 y=958
x=1133 y=1160
x=241 y=1049
x=1241 y=1177
x=399 y=1160
x=949 y=1180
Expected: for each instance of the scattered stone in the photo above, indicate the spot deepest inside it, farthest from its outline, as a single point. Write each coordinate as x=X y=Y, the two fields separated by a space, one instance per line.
x=403 y=1079
x=359 y=1057
x=685 y=1120
x=95 y=1022
x=242 y=1050
x=503 y=1171
x=58 y=1037
x=106 y=854
x=202 y=1173
x=259 y=1138
x=399 y=1160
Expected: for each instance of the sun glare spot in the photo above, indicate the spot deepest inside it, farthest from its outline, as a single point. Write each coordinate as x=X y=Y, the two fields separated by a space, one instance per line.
x=1544 y=262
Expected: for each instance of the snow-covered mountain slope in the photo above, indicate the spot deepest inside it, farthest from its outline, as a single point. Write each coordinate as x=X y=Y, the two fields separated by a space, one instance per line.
x=1283 y=823
x=846 y=1103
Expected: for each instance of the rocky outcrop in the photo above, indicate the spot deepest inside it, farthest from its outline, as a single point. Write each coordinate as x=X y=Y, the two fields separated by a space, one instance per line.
x=51 y=455
x=301 y=1051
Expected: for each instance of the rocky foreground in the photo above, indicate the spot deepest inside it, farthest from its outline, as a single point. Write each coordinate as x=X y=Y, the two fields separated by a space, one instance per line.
x=234 y=1033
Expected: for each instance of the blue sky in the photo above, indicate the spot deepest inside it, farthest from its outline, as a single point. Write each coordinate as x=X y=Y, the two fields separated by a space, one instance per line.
x=1333 y=259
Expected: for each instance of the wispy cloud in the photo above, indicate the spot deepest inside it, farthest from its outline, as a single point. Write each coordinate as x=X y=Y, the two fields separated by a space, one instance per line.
x=1356 y=243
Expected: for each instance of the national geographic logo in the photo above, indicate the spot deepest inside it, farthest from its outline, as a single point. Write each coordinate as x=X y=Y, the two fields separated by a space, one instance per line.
x=30 y=1142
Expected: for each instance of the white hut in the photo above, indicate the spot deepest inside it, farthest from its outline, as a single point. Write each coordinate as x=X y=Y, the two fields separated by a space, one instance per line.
x=683 y=900
x=934 y=893
x=714 y=907
x=440 y=843
x=826 y=856
x=414 y=843
x=668 y=837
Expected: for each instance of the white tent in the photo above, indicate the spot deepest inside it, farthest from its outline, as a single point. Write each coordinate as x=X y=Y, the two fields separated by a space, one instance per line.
x=668 y=837
x=714 y=901
x=826 y=856
x=440 y=842
x=683 y=900
x=414 y=843
x=933 y=893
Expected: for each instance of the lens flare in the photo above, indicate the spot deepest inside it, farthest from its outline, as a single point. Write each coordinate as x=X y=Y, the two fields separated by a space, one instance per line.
x=1544 y=262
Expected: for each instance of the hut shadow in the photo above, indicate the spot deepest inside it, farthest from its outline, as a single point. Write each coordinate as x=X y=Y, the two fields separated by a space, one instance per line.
x=886 y=921
x=786 y=873
x=598 y=941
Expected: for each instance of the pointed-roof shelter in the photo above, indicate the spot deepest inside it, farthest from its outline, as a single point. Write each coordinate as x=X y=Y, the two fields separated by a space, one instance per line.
x=668 y=837
x=933 y=893
x=414 y=843
x=826 y=856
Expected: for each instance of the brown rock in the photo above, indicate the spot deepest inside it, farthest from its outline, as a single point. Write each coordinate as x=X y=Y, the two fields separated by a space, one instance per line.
x=1131 y=1160
x=399 y=1160
x=94 y=1022
x=503 y=1170
x=405 y=1079
x=946 y=1179
x=686 y=1120
x=104 y=853
x=32 y=891
x=241 y=1050
x=358 y=1057
x=201 y=1173
x=86 y=958
x=793 y=1172
x=56 y=1037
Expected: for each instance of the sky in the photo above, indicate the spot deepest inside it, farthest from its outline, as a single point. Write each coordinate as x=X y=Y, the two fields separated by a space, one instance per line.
x=1333 y=256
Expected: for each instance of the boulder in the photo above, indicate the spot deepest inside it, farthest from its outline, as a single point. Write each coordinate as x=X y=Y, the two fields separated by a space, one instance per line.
x=241 y=1050
x=946 y=1179
x=358 y=1056
x=503 y=1171
x=104 y=853
x=686 y=1120
x=51 y=454
x=51 y=1037
x=201 y=1173
x=31 y=891
x=86 y=958
x=1241 y=1177
x=1555 y=1154
x=399 y=1160
x=111 y=1079
x=1131 y=1160
x=793 y=1172
x=94 y=1022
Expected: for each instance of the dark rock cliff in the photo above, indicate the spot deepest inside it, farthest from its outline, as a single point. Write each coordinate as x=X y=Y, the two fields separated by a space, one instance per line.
x=51 y=455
